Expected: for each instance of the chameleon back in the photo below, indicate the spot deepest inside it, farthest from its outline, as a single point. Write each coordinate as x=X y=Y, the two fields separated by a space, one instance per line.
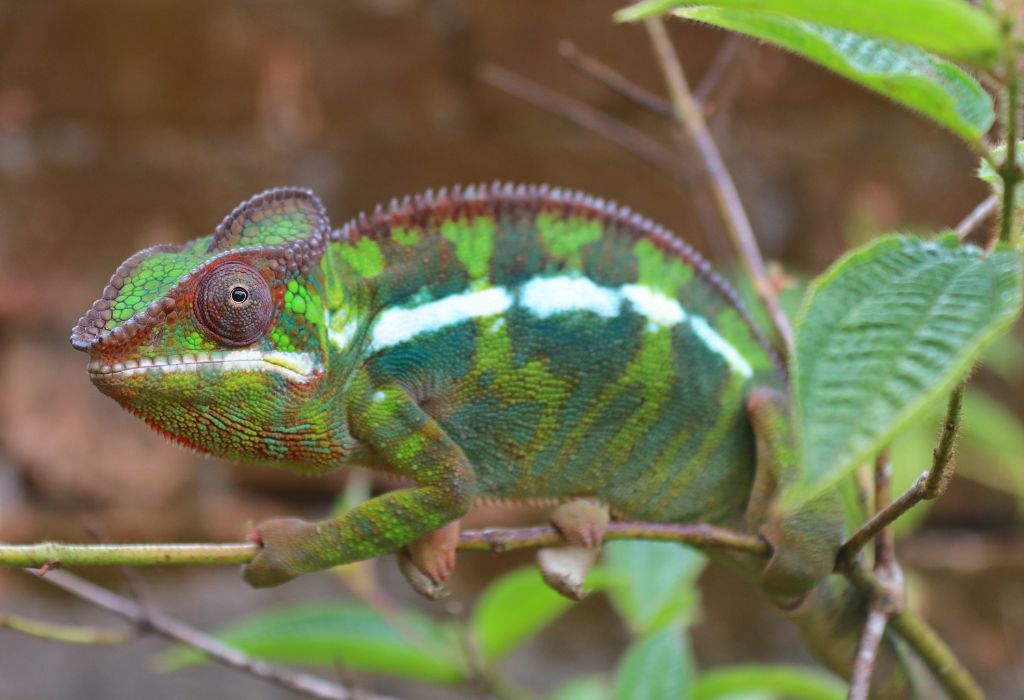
x=569 y=347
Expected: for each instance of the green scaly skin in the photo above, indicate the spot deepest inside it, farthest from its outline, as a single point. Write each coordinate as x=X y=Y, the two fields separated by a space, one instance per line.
x=507 y=342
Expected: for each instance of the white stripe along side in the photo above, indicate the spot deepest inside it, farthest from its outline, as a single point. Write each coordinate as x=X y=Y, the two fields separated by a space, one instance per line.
x=544 y=297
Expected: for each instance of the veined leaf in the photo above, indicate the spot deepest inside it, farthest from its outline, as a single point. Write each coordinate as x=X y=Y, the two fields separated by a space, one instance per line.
x=651 y=584
x=925 y=83
x=950 y=28
x=776 y=681
x=888 y=328
x=409 y=645
x=513 y=608
x=656 y=666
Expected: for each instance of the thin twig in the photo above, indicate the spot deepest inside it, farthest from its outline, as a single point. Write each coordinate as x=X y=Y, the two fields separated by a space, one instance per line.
x=867 y=652
x=614 y=80
x=633 y=140
x=885 y=541
x=972 y=221
x=177 y=631
x=718 y=69
x=66 y=634
x=931 y=484
x=690 y=119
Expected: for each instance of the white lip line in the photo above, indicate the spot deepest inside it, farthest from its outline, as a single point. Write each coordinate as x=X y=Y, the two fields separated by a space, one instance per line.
x=256 y=363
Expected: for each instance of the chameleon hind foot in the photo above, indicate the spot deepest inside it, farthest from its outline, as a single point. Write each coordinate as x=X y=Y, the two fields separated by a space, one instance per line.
x=428 y=561
x=582 y=522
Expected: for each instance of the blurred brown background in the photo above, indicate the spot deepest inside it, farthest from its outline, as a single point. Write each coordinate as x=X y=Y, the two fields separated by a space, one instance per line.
x=124 y=124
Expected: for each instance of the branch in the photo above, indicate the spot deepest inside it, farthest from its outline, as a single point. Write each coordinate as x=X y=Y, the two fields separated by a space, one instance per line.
x=177 y=631
x=57 y=555
x=691 y=121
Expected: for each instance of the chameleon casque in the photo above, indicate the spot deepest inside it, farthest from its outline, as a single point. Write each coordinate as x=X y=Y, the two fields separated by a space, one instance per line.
x=512 y=342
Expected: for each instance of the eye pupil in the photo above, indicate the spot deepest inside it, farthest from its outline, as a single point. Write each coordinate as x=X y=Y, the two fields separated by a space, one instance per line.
x=239 y=295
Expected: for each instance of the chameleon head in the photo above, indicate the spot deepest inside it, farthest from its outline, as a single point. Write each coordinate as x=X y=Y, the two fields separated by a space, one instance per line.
x=219 y=343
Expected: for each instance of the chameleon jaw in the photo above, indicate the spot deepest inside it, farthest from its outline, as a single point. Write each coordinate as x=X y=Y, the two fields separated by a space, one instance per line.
x=294 y=366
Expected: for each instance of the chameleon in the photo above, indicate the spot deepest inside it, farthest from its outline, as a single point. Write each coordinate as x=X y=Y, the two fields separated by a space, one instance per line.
x=512 y=342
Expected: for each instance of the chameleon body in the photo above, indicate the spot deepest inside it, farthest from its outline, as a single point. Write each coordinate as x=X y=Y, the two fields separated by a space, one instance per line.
x=518 y=343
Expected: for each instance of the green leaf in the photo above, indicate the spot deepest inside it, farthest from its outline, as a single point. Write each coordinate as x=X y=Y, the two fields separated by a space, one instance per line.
x=888 y=328
x=586 y=688
x=655 y=667
x=775 y=681
x=406 y=644
x=651 y=584
x=950 y=28
x=929 y=85
x=513 y=608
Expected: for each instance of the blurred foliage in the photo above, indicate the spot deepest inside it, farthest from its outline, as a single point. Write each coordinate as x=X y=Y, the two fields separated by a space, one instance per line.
x=652 y=586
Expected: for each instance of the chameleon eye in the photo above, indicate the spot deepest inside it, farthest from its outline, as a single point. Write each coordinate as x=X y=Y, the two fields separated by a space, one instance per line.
x=233 y=303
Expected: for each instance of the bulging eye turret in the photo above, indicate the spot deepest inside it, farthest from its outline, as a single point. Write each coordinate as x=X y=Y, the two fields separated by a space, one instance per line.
x=233 y=303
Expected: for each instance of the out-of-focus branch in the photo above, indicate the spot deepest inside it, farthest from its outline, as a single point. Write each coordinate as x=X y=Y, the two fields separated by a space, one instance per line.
x=66 y=634
x=614 y=80
x=581 y=114
x=177 y=631
x=978 y=215
x=691 y=121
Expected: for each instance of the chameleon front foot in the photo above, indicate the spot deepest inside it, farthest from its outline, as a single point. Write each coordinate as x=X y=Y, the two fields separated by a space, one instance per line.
x=429 y=560
x=280 y=557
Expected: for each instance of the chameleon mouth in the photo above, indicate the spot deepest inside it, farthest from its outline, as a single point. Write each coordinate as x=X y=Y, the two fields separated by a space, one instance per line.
x=294 y=366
